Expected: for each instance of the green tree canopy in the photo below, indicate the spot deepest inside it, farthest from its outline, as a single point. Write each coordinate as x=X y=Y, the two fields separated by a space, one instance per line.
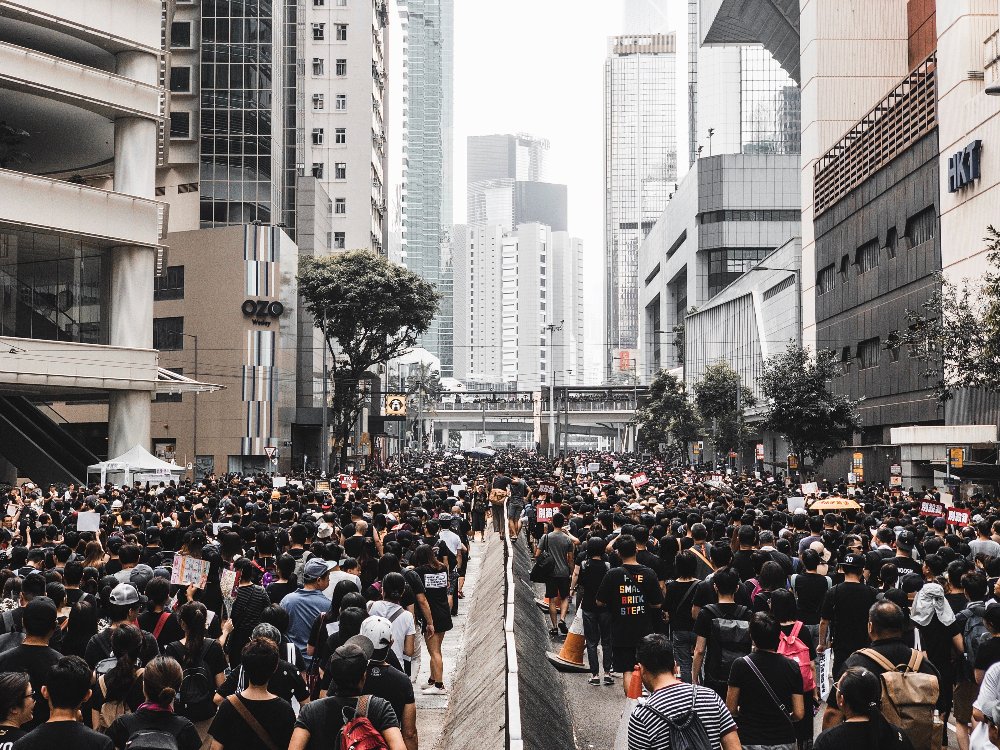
x=814 y=420
x=668 y=416
x=715 y=395
x=370 y=311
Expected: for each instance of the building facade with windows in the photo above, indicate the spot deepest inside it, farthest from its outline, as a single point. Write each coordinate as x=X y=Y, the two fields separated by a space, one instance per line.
x=640 y=168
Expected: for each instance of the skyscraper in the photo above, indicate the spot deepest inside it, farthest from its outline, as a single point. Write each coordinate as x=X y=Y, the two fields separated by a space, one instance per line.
x=430 y=56
x=640 y=166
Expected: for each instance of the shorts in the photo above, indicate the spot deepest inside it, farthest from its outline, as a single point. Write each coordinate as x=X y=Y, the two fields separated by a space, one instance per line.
x=966 y=693
x=514 y=511
x=623 y=659
x=557 y=586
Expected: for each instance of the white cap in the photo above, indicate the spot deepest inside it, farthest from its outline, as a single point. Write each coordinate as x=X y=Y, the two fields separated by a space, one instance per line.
x=379 y=631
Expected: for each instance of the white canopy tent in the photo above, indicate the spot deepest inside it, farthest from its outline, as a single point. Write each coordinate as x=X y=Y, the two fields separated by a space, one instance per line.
x=135 y=461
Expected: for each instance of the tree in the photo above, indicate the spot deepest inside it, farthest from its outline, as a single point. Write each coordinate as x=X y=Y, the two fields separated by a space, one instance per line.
x=668 y=416
x=373 y=311
x=814 y=420
x=425 y=386
x=715 y=395
x=956 y=333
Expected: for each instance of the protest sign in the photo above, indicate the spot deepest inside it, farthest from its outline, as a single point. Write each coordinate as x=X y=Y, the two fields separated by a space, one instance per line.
x=217 y=526
x=545 y=511
x=278 y=482
x=88 y=521
x=810 y=488
x=189 y=570
x=931 y=508
x=794 y=503
x=593 y=467
x=12 y=510
x=959 y=517
x=547 y=489
x=640 y=479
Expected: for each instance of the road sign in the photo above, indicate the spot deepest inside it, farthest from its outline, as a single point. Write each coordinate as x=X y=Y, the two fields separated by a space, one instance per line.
x=896 y=470
x=395 y=405
x=760 y=451
x=793 y=461
x=271 y=451
x=956 y=457
x=895 y=481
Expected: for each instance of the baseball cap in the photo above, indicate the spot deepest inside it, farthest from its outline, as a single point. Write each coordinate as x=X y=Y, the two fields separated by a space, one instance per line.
x=905 y=541
x=444 y=517
x=378 y=630
x=316 y=568
x=140 y=575
x=39 y=616
x=940 y=524
x=853 y=561
x=124 y=593
x=267 y=630
x=356 y=648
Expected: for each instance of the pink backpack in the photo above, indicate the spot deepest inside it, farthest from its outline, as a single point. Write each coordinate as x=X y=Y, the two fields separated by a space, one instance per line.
x=792 y=647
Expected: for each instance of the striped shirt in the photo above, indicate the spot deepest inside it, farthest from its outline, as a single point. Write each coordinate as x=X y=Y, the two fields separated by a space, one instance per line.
x=647 y=731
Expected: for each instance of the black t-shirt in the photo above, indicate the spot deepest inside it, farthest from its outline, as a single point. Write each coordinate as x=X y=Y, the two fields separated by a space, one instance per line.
x=892 y=649
x=10 y=735
x=633 y=597
x=846 y=605
x=742 y=562
x=988 y=653
x=64 y=734
x=164 y=721
x=905 y=565
x=760 y=721
x=678 y=601
x=275 y=716
x=389 y=683
x=170 y=632
x=809 y=589
x=323 y=719
x=278 y=590
x=286 y=683
x=36 y=661
x=214 y=659
x=860 y=735
x=651 y=561
x=99 y=647
x=588 y=581
x=706 y=594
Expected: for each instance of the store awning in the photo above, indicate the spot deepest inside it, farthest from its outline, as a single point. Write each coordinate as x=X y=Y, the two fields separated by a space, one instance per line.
x=168 y=381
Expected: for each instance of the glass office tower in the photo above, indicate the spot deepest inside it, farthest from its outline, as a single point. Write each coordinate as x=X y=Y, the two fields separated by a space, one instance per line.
x=640 y=166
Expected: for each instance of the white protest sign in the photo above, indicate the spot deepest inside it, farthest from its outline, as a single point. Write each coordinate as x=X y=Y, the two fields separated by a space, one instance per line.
x=189 y=570
x=593 y=467
x=12 y=509
x=88 y=521
x=217 y=526
x=794 y=503
x=278 y=482
x=810 y=488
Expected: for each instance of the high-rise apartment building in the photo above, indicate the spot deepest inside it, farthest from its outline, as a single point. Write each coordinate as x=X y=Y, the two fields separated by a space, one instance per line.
x=640 y=166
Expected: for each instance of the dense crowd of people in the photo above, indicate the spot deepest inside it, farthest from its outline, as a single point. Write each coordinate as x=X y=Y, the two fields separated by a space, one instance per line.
x=239 y=611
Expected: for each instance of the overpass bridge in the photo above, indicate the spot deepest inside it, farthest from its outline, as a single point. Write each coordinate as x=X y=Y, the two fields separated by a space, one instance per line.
x=581 y=410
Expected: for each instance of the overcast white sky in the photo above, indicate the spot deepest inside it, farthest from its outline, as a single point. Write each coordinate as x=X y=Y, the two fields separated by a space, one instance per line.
x=537 y=66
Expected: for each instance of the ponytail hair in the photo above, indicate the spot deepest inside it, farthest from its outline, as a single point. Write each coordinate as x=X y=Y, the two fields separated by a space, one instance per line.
x=126 y=643
x=862 y=693
x=194 y=618
x=162 y=680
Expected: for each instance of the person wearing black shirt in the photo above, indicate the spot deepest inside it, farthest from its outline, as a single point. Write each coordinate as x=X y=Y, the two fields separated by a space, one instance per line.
x=846 y=606
x=17 y=704
x=161 y=679
x=34 y=655
x=677 y=611
x=286 y=682
x=386 y=681
x=706 y=649
x=587 y=576
x=809 y=588
x=858 y=694
x=66 y=688
x=765 y=689
x=633 y=597
x=231 y=728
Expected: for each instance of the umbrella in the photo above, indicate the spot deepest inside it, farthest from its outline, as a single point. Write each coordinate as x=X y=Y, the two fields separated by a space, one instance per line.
x=482 y=452
x=835 y=503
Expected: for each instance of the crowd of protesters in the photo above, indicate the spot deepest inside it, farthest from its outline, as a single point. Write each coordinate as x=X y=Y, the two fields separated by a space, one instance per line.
x=732 y=617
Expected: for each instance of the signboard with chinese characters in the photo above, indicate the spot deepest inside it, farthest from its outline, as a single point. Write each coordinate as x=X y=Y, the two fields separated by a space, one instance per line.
x=760 y=452
x=640 y=479
x=793 y=462
x=627 y=360
x=931 y=508
x=959 y=516
x=956 y=457
x=545 y=511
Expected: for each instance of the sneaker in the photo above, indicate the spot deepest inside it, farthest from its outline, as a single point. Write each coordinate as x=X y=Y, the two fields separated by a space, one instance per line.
x=562 y=627
x=595 y=680
x=435 y=690
x=608 y=679
x=427 y=688
x=613 y=675
x=554 y=632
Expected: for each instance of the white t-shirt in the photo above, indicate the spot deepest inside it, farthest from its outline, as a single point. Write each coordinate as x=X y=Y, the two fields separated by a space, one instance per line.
x=402 y=626
x=452 y=539
x=989 y=694
x=336 y=577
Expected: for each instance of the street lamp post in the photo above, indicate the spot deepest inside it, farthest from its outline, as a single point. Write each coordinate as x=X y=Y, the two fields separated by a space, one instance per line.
x=551 y=328
x=194 y=441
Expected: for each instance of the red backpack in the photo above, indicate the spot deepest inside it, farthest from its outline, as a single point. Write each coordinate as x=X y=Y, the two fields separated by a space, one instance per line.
x=792 y=646
x=359 y=733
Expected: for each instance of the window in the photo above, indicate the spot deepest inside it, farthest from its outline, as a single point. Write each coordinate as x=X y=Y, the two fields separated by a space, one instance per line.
x=168 y=334
x=340 y=205
x=867 y=256
x=845 y=266
x=319 y=32
x=890 y=242
x=170 y=285
x=826 y=279
x=317 y=136
x=725 y=266
x=317 y=170
x=339 y=240
x=922 y=227
x=318 y=101
x=180 y=125
x=868 y=353
x=319 y=3
x=340 y=103
x=340 y=170
x=341 y=29
x=187 y=187
x=341 y=67
x=341 y=3
x=317 y=66
x=180 y=80
x=340 y=136
x=169 y=398
x=180 y=35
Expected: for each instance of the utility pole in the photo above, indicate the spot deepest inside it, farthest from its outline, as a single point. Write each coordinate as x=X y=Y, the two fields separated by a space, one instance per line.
x=324 y=456
x=194 y=440
x=552 y=328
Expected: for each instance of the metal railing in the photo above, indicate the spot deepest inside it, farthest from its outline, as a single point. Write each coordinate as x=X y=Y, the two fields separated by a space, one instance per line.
x=514 y=739
x=501 y=406
x=991 y=56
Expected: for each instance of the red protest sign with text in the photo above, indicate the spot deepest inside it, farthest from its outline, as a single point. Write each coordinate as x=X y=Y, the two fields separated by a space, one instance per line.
x=640 y=479
x=931 y=508
x=959 y=517
x=348 y=481
x=545 y=511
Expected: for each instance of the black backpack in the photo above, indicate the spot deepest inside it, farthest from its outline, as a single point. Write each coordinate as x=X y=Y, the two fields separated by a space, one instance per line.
x=197 y=685
x=686 y=731
x=729 y=640
x=145 y=738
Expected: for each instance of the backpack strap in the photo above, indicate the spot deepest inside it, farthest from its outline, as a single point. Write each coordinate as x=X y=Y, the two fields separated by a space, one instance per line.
x=774 y=697
x=796 y=628
x=916 y=657
x=164 y=616
x=876 y=657
x=394 y=615
x=251 y=722
x=362 y=709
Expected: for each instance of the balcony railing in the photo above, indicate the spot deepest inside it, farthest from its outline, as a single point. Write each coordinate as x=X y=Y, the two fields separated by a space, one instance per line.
x=992 y=58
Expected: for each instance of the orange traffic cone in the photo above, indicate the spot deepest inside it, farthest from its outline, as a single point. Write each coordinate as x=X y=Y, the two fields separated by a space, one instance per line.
x=570 y=656
x=542 y=604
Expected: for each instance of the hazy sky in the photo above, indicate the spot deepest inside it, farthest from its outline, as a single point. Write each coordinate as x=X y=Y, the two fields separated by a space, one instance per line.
x=537 y=66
